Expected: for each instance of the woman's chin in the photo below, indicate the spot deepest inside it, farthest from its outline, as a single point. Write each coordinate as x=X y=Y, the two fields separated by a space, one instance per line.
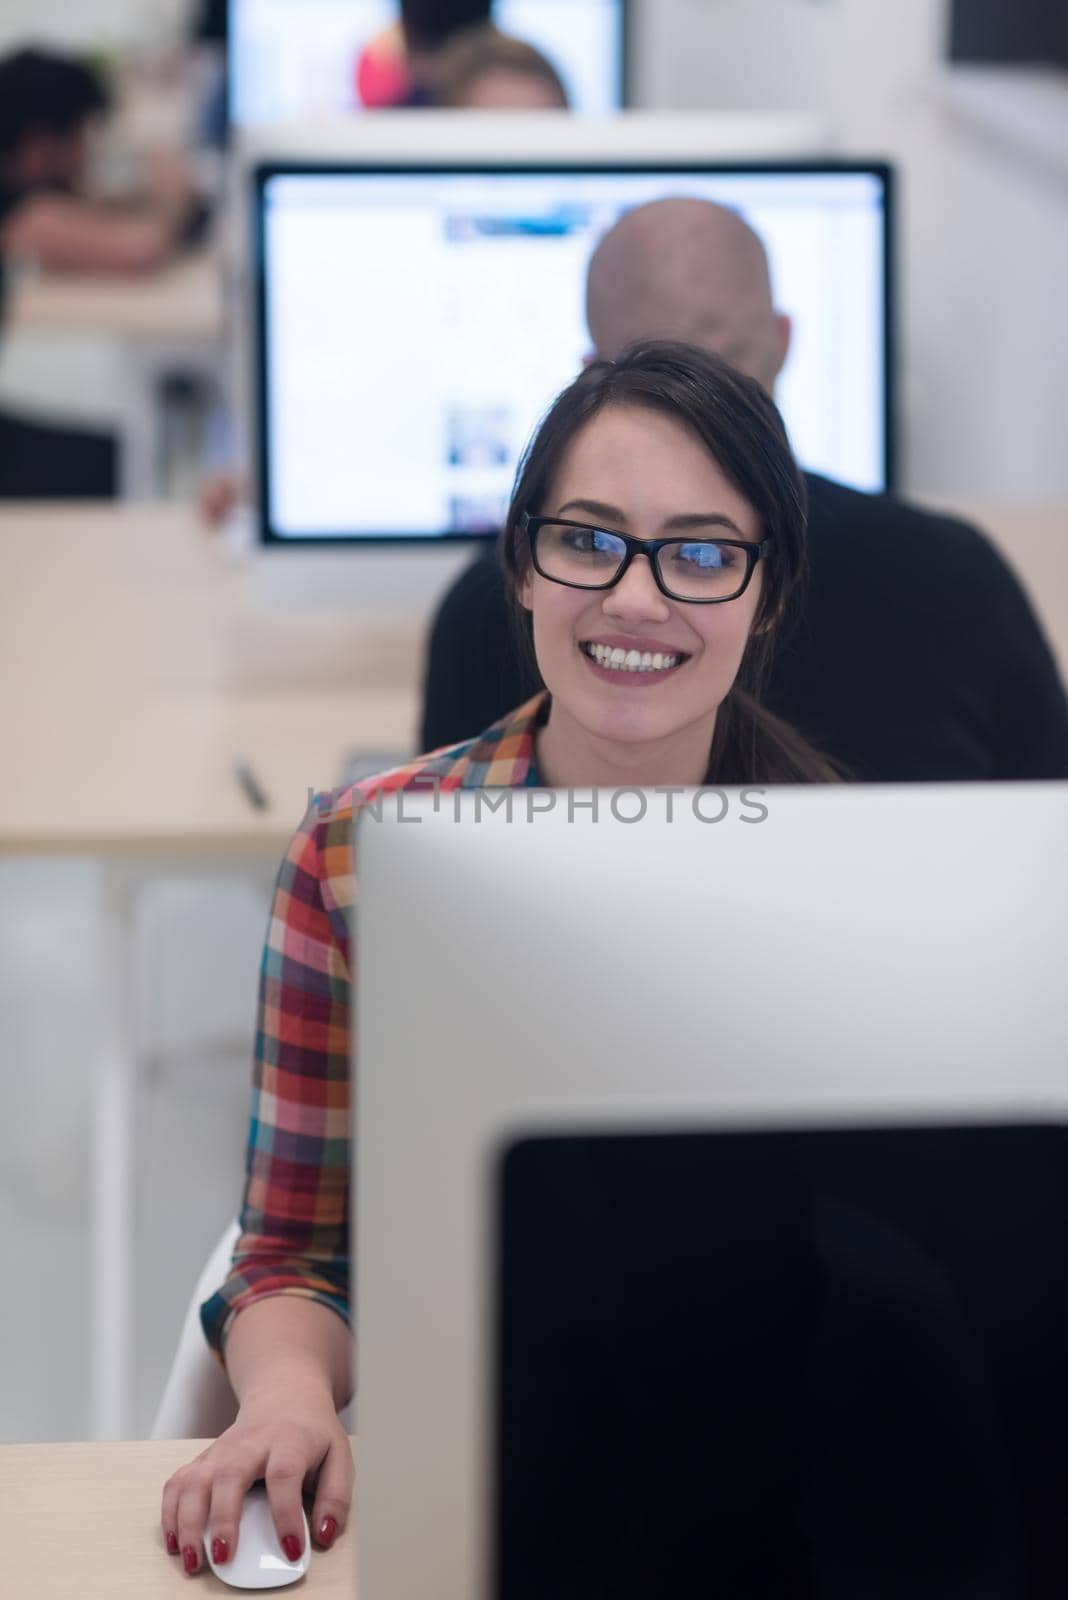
x=625 y=719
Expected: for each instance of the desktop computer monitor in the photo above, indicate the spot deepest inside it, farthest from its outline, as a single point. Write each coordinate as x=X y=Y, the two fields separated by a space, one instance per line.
x=851 y=1001
x=314 y=60
x=414 y=322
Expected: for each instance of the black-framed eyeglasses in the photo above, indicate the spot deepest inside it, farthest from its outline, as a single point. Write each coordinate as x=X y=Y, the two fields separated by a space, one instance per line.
x=697 y=571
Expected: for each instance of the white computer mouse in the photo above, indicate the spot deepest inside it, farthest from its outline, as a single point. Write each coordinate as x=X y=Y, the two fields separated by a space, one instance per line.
x=259 y=1562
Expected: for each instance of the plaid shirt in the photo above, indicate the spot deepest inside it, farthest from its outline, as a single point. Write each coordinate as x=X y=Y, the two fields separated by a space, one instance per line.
x=295 y=1212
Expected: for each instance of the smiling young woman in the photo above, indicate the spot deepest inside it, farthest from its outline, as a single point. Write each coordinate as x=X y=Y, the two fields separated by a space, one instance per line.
x=655 y=538
x=659 y=513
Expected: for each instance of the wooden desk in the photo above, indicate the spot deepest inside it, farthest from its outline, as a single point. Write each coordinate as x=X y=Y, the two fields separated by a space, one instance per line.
x=181 y=300
x=145 y=668
x=81 y=1521
x=139 y=668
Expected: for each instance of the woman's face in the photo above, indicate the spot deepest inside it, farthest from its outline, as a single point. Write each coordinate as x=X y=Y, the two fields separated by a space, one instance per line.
x=637 y=470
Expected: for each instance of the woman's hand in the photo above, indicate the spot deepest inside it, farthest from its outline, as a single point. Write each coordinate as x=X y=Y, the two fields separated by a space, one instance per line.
x=288 y=1435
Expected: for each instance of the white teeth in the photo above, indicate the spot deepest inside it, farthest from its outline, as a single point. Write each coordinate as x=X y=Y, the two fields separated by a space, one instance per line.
x=620 y=660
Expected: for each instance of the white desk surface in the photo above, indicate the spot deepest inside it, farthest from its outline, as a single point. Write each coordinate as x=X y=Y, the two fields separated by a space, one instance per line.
x=81 y=1522
x=181 y=300
x=138 y=668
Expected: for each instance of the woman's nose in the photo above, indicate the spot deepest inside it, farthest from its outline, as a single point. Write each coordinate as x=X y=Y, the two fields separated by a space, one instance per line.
x=636 y=593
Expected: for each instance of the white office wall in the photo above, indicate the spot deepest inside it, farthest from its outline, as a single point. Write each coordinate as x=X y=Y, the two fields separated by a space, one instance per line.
x=984 y=225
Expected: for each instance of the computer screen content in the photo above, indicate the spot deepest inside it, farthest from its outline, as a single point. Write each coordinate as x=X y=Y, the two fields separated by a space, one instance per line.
x=313 y=60
x=415 y=325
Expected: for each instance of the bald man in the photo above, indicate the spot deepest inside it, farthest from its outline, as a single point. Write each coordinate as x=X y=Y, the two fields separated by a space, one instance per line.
x=689 y=270
x=918 y=656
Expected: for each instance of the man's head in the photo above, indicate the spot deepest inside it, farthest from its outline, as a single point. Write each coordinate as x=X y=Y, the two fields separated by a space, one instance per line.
x=483 y=69
x=46 y=105
x=428 y=24
x=692 y=271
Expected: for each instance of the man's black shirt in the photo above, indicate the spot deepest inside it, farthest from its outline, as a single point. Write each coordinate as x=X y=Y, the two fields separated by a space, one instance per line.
x=917 y=656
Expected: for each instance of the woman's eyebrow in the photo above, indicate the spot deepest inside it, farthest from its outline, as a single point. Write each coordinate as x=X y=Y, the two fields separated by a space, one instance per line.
x=596 y=508
x=688 y=519
x=704 y=519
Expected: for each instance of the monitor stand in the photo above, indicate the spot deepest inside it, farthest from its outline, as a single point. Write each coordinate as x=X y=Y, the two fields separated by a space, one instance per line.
x=383 y=579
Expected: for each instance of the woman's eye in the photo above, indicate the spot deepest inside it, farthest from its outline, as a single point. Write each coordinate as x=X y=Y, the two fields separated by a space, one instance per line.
x=705 y=555
x=589 y=541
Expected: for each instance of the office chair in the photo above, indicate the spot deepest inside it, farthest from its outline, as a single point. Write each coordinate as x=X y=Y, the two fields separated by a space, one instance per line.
x=197 y=1401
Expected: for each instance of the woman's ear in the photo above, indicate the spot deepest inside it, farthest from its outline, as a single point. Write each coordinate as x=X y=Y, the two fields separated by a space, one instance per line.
x=523 y=591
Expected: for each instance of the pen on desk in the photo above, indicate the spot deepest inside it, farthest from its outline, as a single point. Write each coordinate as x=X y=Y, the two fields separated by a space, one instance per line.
x=251 y=786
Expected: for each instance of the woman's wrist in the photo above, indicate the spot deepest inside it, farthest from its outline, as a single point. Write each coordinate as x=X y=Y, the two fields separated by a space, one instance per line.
x=290 y=1385
x=289 y=1349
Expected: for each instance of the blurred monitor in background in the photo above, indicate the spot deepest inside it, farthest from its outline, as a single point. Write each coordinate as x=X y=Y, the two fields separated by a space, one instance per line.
x=486 y=70
x=473 y=278
x=51 y=107
x=314 y=60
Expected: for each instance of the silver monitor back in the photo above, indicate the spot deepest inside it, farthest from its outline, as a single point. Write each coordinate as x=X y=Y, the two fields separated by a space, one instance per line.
x=817 y=957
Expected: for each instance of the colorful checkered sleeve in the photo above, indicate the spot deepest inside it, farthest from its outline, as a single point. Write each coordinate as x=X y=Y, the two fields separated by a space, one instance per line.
x=295 y=1214
x=294 y=1218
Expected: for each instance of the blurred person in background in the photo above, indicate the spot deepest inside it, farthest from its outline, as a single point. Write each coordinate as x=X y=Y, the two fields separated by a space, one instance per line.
x=483 y=69
x=398 y=67
x=40 y=461
x=211 y=23
x=51 y=107
x=916 y=655
x=210 y=41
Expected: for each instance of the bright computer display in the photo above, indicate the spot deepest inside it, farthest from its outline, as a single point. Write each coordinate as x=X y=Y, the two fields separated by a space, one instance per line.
x=309 y=60
x=414 y=325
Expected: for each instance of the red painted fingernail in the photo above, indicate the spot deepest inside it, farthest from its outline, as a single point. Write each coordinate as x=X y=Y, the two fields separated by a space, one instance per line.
x=172 y=1544
x=189 y=1556
x=327 y=1530
x=220 y=1551
x=291 y=1546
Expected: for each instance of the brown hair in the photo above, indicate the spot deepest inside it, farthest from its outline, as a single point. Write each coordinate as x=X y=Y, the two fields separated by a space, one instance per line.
x=736 y=420
x=476 y=51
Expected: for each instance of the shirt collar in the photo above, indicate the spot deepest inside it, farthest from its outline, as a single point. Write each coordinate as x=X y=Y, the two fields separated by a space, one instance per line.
x=503 y=756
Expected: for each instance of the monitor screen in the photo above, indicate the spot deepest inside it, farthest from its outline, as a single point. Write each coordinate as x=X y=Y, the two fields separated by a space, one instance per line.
x=314 y=60
x=414 y=324
x=779 y=1363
